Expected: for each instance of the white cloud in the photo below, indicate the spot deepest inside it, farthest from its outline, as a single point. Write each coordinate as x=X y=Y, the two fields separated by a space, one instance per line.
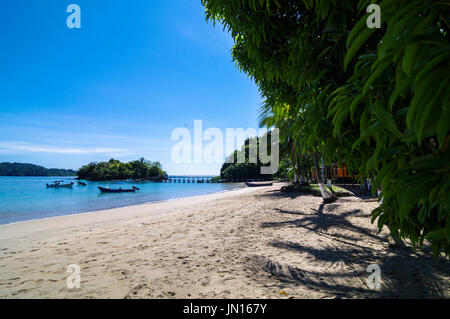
x=17 y=147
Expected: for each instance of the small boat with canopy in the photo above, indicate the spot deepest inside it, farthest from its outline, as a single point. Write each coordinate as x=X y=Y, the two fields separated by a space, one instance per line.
x=59 y=184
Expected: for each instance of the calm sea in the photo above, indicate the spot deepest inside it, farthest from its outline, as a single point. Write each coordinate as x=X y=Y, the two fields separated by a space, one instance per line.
x=26 y=198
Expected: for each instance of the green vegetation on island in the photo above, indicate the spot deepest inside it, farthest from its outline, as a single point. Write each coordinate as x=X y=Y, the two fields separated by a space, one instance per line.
x=232 y=169
x=116 y=170
x=376 y=98
x=23 y=169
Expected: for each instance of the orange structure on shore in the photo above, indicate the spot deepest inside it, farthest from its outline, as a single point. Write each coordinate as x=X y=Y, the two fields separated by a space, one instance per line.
x=335 y=172
x=339 y=172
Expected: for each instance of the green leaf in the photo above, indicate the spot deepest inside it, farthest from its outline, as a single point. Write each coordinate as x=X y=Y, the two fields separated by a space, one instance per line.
x=380 y=67
x=387 y=120
x=409 y=58
x=357 y=44
x=443 y=126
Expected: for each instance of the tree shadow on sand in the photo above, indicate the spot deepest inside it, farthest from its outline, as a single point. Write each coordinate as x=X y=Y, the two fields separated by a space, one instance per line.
x=322 y=222
x=355 y=190
x=341 y=270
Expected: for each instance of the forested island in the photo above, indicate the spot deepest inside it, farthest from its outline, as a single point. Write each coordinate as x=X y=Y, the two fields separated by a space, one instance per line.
x=23 y=169
x=116 y=170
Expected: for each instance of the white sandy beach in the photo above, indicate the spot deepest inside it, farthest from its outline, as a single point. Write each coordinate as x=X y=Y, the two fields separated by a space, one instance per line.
x=247 y=243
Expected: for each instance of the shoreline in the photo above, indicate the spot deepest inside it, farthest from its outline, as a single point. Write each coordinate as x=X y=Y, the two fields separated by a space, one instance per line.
x=247 y=243
x=103 y=215
x=130 y=205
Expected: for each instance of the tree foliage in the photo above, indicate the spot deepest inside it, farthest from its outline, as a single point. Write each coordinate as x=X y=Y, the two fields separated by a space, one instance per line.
x=235 y=169
x=376 y=98
x=116 y=170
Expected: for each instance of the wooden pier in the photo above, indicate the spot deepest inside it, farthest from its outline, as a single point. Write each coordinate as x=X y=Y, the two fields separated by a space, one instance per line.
x=189 y=179
x=205 y=179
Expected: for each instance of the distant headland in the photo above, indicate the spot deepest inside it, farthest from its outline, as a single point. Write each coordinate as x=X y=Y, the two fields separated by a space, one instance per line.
x=24 y=169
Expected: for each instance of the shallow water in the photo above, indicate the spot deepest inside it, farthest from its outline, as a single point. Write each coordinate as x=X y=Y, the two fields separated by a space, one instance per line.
x=26 y=198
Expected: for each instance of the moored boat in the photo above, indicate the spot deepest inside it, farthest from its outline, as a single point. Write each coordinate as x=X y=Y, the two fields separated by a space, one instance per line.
x=117 y=190
x=82 y=183
x=251 y=184
x=57 y=184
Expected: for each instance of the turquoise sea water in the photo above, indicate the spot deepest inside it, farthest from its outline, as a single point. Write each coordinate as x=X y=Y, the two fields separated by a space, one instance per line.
x=26 y=198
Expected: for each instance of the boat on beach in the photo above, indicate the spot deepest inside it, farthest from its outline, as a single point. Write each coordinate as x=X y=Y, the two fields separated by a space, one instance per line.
x=57 y=184
x=117 y=190
x=252 y=184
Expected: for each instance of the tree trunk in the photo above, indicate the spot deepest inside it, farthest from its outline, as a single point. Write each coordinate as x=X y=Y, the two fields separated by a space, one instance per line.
x=299 y=167
x=326 y=196
x=296 y=176
x=295 y=160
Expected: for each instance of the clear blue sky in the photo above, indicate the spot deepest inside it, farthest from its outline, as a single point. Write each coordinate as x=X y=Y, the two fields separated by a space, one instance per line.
x=118 y=86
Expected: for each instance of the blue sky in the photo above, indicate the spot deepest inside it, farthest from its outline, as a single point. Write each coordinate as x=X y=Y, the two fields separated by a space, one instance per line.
x=117 y=87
